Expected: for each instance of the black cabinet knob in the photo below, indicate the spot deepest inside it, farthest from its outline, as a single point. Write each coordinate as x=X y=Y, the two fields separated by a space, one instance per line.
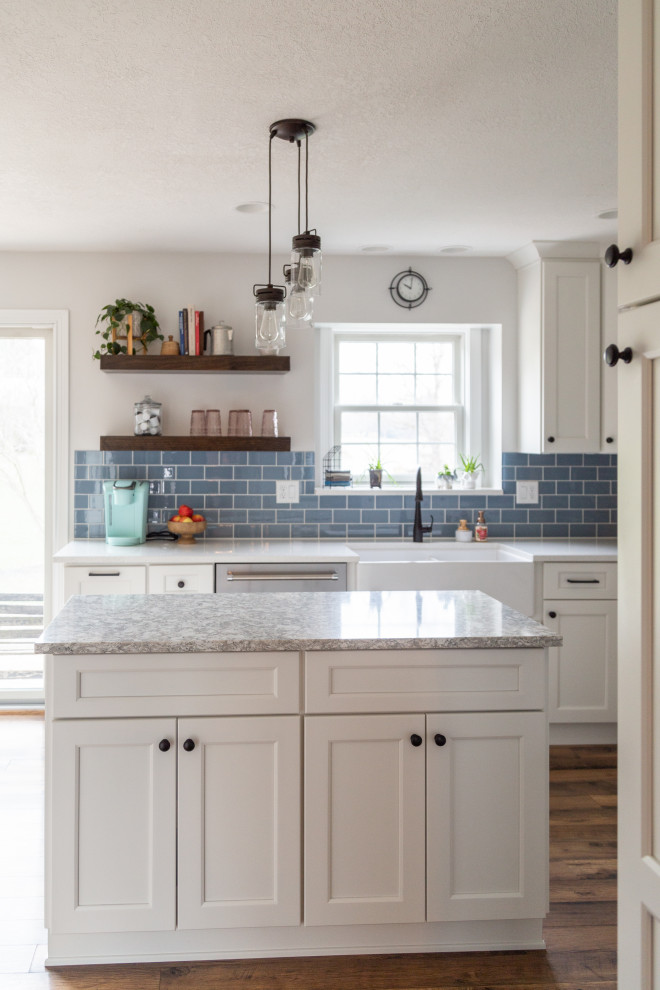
x=613 y=355
x=164 y=745
x=416 y=740
x=189 y=745
x=609 y=439
x=439 y=739
x=553 y=615
x=551 y=439
x=613 y=256
x=181 y=584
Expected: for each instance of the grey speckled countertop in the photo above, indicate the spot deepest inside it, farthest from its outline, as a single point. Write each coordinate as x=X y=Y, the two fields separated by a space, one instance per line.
x=352 y=620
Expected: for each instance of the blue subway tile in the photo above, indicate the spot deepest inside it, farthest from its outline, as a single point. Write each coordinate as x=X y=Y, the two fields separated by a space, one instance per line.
x=454 y=516
x=203 y=488
x=542 y=460
x=360 y=501
x=607 y=473
x=89 y=487
x=514 y=515
x=502 y=531
x=557 y=473
x=555 y=531
x=500 y=501
x=274 y=473
x=318 y=515
x=176 y=457
x=388 y=532
x=248 y=502
x=606 y=531
x=308 y=502
x=605 y=502
x=598 y=459
x=309 y=487
x=437 y=502
x=81 y=501
x=362 y=532
x=290 y=515
x=570 y=516
x=509 y=487
x=276 y=531
x=156 y=472
x=285 y=457
x=571 y=487
x=259 y=487
x=219 y=532
x=582 y=501
x=570 y=458
x=233 y=457
x=493 y=516
x=156 y=488
x=234 y=488
x=211 y=515
x=234 y=515
x=207 y=457
x=332 y=502
x=79 y=457
x=310 y=457
x=185 y=473
x=116 y=457
x=300 y=531
x=147 y=456
x=547 y=487
x=375 y=516
x=251 y=472
x=181 y=488
x=96 y=501
x=346 y=516
x=80 y=472
x=530 y=473
x=555 y=501
x=515 y=458
x=93 y=457
x=215 y=473
x=299 y=457
x=80 y=532
x=584 y=474
x=597 y=515
x=96 y=532
x=527 y=531
x=508 y=473
x=583 y=530
x=219 y=501
x=261 y=516
x=262 y=457
x=613 y=460
x=472 y=501
x=245 y=532
x=598 y=487
x=332 y=531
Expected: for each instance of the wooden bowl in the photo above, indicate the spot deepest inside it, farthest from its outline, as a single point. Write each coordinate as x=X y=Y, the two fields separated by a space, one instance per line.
x=187 y=531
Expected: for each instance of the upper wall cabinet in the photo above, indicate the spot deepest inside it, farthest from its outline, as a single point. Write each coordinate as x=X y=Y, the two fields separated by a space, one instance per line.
x=559 y=348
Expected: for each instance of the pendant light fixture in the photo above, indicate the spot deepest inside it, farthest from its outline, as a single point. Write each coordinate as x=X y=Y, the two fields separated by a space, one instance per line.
x=269 y=310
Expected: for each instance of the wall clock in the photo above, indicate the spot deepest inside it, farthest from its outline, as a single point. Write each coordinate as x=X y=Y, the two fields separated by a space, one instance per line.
x=409 y=289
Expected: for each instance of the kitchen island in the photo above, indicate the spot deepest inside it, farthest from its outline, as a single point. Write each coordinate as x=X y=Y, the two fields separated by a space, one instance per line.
x=294 y=774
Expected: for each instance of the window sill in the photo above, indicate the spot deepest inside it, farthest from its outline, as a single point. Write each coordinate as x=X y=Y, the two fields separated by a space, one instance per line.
x=402 y=490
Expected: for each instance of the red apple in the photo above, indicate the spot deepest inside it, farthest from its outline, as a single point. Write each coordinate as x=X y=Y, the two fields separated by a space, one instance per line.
x=197 y=518
x=185 y=510
x=176 y=518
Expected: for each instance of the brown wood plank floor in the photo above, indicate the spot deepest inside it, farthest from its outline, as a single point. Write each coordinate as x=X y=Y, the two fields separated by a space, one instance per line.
x=580 y=931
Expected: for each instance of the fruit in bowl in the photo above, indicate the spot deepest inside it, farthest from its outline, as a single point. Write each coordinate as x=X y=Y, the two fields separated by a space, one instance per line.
x=186 y=524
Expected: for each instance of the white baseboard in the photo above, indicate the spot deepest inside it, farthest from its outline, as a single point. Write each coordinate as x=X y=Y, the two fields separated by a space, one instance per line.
x=583 y=734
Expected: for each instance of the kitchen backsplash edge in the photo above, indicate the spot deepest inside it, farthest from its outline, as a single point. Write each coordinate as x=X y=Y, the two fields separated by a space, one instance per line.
x=235 y=490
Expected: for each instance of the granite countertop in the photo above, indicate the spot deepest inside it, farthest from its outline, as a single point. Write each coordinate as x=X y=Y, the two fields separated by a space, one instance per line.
x=307 y=551
x=353 y=620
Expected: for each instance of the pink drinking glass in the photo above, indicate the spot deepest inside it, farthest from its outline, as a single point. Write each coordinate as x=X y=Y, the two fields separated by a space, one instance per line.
x=213 y=423
x=269 y=423
x=240 y=423
x=198 y=423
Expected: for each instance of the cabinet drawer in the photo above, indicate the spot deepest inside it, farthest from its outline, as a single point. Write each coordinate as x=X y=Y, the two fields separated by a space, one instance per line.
x=173 y=684
x=165 y=579
x=573 y=580
x=104 y=580
x=424 y=680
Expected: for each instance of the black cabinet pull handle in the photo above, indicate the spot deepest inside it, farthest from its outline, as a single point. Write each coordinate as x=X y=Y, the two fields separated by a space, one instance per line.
x=609 y=439
x=164 y=745
x=416 y=740
x=553 y=615
x=439 y=739
x=582 y=581
x=106 y=574
x=189 y=745
x=181 y=584
x=613 y=256
x=551 y=439
x=613 y=355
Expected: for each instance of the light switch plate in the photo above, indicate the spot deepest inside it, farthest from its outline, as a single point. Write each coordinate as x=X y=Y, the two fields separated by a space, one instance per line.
x=287 y=491
x=527 y=492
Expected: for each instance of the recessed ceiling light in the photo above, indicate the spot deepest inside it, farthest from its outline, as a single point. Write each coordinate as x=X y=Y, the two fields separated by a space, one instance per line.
x=456 y=249
x=607 y=215
x=252 y=208
x=376 y=248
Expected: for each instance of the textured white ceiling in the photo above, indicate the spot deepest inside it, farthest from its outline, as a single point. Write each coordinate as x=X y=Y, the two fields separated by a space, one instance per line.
x=141 y=124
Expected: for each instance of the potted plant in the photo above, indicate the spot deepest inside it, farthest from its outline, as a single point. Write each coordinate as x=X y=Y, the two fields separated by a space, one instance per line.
x=445 y=478
x=376 y=473
x=127 y=321
x=471 y=467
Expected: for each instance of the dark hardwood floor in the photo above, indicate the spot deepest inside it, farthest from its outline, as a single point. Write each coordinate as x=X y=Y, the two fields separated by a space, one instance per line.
x=580 y=930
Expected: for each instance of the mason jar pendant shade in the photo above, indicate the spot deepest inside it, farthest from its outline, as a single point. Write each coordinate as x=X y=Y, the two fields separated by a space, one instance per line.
x=270 y=318
x=299 y=301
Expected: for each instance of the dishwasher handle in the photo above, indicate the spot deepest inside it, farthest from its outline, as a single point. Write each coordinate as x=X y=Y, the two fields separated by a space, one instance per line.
x=282 y=576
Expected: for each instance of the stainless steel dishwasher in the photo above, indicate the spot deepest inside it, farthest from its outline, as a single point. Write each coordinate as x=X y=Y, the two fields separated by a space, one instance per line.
x=256 y=578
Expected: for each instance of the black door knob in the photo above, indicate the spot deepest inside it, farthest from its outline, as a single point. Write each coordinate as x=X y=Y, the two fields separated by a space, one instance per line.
x=609 y=439
x=416 y=740
x=551 y=439
x=440 y=740
x=189 y=745
x=613 y=256
x=164 y=745
x=553 y=615
x=181 y=584
x=613 y=355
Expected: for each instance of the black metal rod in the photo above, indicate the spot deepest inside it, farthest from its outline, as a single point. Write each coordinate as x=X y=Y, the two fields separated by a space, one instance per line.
x=306 y=182
x=270 y=203
x=299 y=146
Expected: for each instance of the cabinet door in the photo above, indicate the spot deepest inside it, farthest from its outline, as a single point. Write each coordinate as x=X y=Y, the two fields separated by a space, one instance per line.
x=239 y=822
x=583 y=670
x=571 y=356
x=104 y=580
x=487 y=808
x=113 y=854
x=364 y=819
x=177 y=579
x=639 y=149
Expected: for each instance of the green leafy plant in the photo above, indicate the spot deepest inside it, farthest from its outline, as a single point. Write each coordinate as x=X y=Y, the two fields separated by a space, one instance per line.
x=471 y=464
x=375 y=465
x=110 y=322
x=446 y=472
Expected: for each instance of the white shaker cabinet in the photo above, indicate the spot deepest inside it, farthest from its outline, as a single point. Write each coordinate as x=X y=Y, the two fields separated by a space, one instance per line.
x=559 y=320
x=181 y=579
x=437 y=818
x=104 y=580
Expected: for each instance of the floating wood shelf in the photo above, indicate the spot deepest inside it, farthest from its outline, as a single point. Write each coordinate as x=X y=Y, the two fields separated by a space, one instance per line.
x=255 y=364
x=195 y=443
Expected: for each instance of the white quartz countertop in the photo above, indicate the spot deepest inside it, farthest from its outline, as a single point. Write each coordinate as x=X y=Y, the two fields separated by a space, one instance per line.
x=355 y=620
x=304 y=551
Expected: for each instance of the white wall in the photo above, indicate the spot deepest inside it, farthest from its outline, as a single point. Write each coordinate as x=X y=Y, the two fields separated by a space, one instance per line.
x=355 y=289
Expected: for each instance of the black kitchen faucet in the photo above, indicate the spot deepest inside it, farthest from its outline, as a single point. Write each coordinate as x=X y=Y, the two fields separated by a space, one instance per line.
x=418 y=529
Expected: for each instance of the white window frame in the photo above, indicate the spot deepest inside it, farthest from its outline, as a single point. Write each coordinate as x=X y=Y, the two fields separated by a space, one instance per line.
x=481 y=384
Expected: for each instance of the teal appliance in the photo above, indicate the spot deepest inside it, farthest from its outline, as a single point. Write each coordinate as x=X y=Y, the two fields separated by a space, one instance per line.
x=125 y=512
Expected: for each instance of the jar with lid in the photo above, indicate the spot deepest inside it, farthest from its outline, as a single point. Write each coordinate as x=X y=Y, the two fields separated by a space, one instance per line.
x=148 y=417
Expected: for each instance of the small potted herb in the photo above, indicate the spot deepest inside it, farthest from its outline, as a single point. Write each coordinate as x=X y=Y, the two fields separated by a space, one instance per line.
x=471 y=467
x=126 y=321
x=445 y=478
x=376 y=473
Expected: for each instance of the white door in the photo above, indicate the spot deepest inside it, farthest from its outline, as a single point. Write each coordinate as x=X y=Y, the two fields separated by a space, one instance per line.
x=113 y=855
x=239 y=822
x=487 y=814
x=582 y=671
x=364 y=819
x=639 y=496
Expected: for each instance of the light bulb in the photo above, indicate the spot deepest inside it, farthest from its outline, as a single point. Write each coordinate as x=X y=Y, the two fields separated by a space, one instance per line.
x=307 y=273
x=269 y=328
x=270 y=336
x=299 y=304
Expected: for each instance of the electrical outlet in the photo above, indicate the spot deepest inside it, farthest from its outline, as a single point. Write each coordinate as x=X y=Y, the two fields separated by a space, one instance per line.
x=287 y=491
x=527 y=492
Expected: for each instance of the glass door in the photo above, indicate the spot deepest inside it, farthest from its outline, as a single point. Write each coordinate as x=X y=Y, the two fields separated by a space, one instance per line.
x=25 y=468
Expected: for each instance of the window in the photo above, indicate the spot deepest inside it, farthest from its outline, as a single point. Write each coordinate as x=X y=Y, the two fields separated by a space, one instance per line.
x=408 y=397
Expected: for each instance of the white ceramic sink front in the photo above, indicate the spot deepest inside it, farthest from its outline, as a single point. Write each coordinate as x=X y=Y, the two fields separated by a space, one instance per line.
x=447 y=552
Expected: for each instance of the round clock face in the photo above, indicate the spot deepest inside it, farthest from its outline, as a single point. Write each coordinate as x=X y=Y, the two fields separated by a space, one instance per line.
x=409 y=289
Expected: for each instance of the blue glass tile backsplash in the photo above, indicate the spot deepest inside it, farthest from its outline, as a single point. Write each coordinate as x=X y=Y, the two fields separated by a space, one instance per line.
x=235 y=491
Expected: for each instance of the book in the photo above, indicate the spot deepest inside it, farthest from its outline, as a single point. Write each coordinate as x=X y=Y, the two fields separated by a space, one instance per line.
x=185 y=333
x=199 y=331
x=182 y=342
x=191 y=330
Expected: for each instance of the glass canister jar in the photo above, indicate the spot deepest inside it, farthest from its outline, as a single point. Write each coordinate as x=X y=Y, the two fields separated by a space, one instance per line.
x=148 y=417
